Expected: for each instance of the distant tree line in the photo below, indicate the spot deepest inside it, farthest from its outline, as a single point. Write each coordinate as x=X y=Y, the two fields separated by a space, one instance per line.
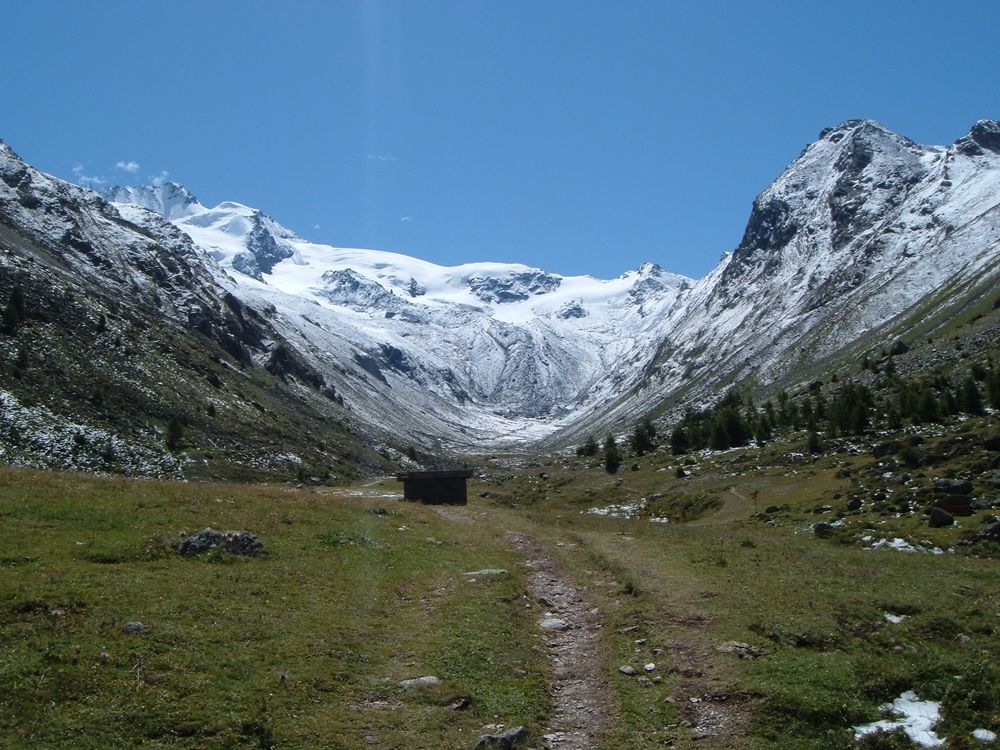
x=853 y=409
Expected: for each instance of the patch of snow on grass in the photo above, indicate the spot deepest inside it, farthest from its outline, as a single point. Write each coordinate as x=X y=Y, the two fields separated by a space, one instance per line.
x=917 y=719
x=900 y=545
x=984 y=735
x=622 y=510
x=894 y=619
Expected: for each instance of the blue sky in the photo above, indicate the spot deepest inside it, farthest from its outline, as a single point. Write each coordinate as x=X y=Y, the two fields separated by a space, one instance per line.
x=582 y=137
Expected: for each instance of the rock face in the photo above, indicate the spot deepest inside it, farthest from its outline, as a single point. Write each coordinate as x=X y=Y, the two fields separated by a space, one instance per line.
x=234 y=542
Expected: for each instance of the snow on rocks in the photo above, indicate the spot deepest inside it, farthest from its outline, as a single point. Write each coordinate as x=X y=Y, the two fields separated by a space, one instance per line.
x=916 y=717
x=900 y=545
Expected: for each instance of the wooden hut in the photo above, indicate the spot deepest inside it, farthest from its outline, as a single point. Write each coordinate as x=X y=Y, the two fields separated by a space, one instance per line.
x=436 y=487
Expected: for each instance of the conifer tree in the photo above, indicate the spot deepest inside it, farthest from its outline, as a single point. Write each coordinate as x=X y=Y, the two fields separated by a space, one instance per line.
x=993 y=387
x=644 y=437
x=969 y=400
x=679 y=443
x=612 y=459
x=175 y=433
x=589 y=448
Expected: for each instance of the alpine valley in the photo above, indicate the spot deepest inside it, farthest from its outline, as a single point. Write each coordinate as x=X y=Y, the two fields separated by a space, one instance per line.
x=151 y=335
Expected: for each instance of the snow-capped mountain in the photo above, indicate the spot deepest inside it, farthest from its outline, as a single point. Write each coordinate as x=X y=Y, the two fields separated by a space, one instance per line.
x=863 y=231
x=481 y=351
x=858 y=229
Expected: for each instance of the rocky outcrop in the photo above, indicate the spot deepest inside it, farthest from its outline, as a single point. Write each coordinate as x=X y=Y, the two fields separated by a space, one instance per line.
x=233 y=542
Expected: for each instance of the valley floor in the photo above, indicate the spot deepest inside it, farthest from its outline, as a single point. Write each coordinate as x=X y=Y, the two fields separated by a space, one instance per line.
x=744 y=628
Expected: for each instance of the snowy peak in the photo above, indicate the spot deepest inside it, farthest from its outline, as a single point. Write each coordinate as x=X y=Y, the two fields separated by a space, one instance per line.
x=170 y=200
x=984 y=136
x=236 y=235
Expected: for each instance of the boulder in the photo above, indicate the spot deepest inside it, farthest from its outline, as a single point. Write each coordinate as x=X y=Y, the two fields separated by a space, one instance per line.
x=939 y=518
x=886 y=448
x=416 y=682
x=507 y=740
x=234 y=542
x=953 y=486
x=898 y=347
x=854 y=503
x=823 y=530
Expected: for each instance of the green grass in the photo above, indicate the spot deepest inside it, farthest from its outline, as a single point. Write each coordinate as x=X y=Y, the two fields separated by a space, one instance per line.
x=358 y=592
x=353 y=596
x=815 y=606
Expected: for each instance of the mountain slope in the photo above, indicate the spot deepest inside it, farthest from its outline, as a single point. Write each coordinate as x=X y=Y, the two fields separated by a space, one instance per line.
x=452 y=356
x=125 y=354
x=866 y=235
x=859 y=230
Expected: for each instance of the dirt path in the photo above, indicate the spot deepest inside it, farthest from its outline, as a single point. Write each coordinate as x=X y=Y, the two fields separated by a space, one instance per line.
x=580 y=693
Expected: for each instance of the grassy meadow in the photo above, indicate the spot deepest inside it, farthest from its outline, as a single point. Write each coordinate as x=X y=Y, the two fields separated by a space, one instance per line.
x=305 y=647
x=302 y=648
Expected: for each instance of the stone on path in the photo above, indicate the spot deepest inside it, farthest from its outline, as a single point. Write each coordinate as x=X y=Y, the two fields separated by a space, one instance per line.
x=554 y=623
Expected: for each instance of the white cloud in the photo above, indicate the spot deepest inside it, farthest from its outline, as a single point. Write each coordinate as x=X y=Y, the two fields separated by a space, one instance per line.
x=381 y=157
x=160 y=178
x=85 y=179
x=128 y=166
x=406 y=219
x=315 y=226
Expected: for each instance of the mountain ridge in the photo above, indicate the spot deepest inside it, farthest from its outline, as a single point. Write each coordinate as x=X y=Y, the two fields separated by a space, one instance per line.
x=859 y=229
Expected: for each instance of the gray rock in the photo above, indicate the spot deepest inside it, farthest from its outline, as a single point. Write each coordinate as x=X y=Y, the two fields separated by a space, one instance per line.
x=416 y=682
x=507 y=740
x=823 y=530
x=990 y=534
x=134 y=628
x=234 y=542
x=627 y=670
x=554 y=623
x=487 y=572
x=938 y=518
x=854 y=503
x=742 y=650
x=953 y=486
